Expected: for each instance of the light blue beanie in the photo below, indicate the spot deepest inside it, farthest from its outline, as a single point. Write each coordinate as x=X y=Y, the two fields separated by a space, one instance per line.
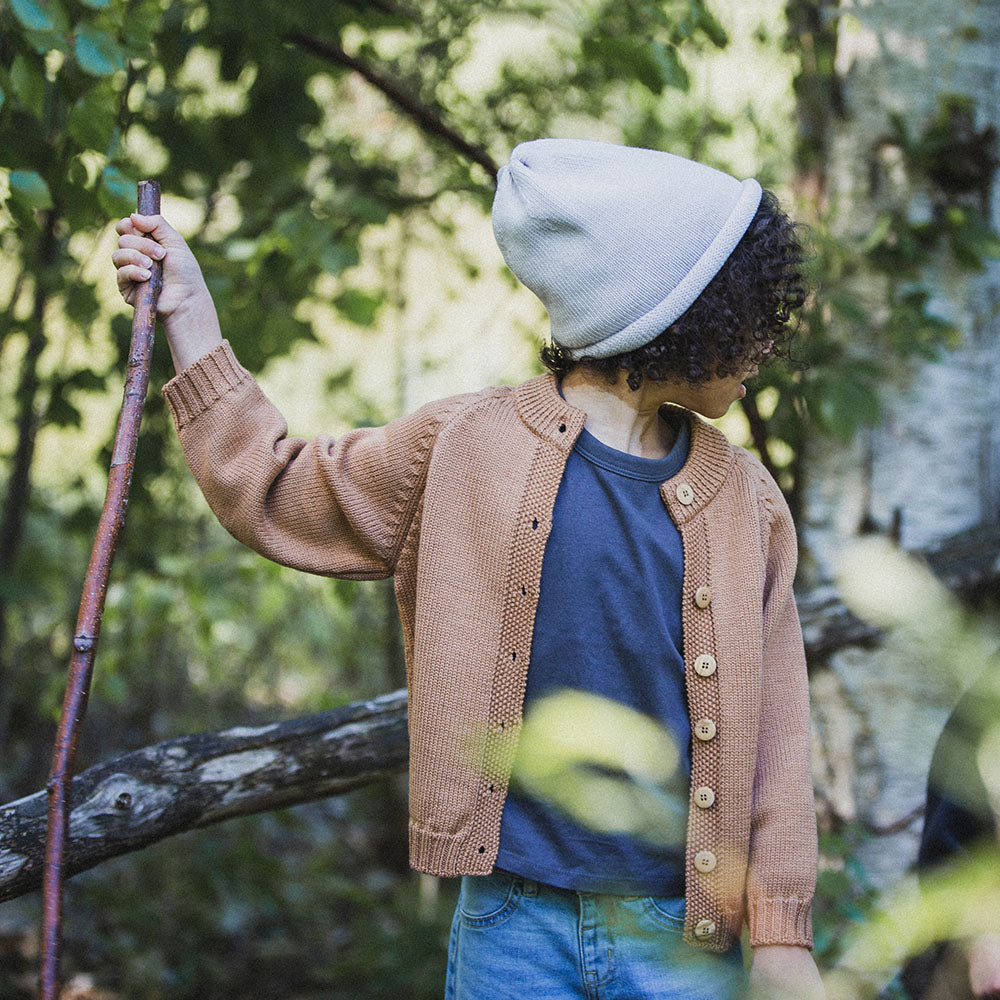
x=616 y=241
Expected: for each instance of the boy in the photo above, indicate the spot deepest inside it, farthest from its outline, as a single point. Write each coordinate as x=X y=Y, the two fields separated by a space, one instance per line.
x=570 y=532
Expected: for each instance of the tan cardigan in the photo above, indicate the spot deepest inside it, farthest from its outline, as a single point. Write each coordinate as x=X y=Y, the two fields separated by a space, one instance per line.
x=456 y=501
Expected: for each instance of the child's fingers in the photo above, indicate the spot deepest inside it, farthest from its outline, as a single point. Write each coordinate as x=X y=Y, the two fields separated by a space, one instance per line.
x=157 y=227
x=131 y=274
x=143 y=244
x=128 y=256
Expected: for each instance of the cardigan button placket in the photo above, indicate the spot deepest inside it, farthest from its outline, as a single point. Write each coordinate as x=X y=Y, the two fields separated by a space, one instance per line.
x=705 y=862
x=704 y=665
x=704 y=797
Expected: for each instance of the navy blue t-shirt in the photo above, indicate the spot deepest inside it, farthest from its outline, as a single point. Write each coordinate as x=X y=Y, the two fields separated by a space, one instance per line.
x=609 y=623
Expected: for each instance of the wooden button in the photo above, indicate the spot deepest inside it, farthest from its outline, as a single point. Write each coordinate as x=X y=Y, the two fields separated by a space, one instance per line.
x=704 y=928
x=704 y=665
x=703 y=597
x=704 y=729
x=685 y=494
x=704 y=797
x=705 y=861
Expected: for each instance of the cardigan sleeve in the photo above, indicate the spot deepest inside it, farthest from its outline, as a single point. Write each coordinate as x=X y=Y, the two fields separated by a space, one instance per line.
x=336 y=507
x=783 y=849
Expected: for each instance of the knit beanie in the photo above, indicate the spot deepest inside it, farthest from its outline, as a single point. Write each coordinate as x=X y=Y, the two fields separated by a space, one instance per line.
x=616 y=241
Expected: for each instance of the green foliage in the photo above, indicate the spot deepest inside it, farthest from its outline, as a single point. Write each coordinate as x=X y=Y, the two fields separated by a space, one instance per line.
x=845 y=896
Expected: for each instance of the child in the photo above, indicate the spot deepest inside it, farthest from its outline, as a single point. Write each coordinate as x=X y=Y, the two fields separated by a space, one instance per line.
x=573 y=531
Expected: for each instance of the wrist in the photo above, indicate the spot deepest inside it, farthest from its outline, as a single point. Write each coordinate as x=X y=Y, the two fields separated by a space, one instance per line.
x=192 y=329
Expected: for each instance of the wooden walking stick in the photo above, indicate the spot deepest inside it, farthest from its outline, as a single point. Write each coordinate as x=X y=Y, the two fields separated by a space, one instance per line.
x=88 y=623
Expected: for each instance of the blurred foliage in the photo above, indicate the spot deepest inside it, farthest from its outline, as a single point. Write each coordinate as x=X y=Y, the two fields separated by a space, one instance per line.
x=863 y=934
x=606 y=766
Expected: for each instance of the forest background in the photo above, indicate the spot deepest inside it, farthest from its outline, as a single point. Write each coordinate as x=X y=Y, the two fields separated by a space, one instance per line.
x=331 y=164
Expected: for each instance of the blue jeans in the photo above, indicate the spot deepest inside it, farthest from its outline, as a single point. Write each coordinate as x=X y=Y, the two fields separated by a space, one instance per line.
x=518 y=939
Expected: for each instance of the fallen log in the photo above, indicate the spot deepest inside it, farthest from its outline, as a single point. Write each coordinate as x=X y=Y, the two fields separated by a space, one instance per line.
x=133 y=801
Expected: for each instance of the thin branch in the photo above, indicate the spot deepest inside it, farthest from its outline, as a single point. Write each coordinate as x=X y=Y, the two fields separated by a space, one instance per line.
x=88 y=624
x=758 y=432
x=18 y=491
x=429 y=119
x=386 y=6
x=897 y=825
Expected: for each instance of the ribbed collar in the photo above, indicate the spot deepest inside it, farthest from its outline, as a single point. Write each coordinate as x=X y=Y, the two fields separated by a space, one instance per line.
x=549 y=416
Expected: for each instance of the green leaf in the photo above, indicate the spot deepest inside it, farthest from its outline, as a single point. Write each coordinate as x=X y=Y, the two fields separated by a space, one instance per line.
x=844 y=405
x=116 y=192
x=669 y=65
x=92 y=119
x=45 y=24
x=30 y=190
x=62 y=413
x=359 y=307
x=96 y=4
x=716 y=32
x=82 y=306
x=35 y=15
x=27 y=79
x=97 y=53
x=652 y=64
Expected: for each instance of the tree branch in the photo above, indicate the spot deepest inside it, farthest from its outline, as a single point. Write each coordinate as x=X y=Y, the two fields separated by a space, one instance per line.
x=126 y=804
x=758 y=431
x=429 y=119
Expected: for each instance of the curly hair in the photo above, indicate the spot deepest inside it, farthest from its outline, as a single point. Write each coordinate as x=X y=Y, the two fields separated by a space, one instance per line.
x=743 y=317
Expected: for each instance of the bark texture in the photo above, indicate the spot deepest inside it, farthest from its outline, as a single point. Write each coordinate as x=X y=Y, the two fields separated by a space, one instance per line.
x=126 y=804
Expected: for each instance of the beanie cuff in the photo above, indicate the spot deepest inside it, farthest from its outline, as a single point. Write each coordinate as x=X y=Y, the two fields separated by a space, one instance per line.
x=649 y=326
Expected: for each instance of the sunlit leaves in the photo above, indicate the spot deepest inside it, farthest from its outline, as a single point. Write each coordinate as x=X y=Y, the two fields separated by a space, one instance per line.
x=97 y=53
x=36 y=15
x=30 y=189
x=607 y=766
x=92 y=119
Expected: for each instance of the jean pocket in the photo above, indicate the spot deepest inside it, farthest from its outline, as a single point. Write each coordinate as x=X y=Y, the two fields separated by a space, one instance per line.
x=667 y=911
x=487 y=900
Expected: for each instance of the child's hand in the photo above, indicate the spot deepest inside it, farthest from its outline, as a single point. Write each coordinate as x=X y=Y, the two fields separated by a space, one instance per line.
x=785 y=972
x=984 y=966
x=184 y=305
x=144 y=238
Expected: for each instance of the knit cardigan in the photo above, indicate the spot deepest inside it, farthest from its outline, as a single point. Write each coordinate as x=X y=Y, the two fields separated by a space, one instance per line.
x=456 y=502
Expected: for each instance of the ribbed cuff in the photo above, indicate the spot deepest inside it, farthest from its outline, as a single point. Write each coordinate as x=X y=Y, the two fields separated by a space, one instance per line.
x=781 y=921
x=200 y=385
x=444 y=854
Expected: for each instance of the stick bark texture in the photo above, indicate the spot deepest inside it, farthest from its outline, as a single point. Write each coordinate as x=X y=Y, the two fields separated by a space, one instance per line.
x=88 y=624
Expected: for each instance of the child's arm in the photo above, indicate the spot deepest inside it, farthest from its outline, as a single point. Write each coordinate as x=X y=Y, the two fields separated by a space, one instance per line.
x=781 y=874
x=334 y=507
x=783 y=835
